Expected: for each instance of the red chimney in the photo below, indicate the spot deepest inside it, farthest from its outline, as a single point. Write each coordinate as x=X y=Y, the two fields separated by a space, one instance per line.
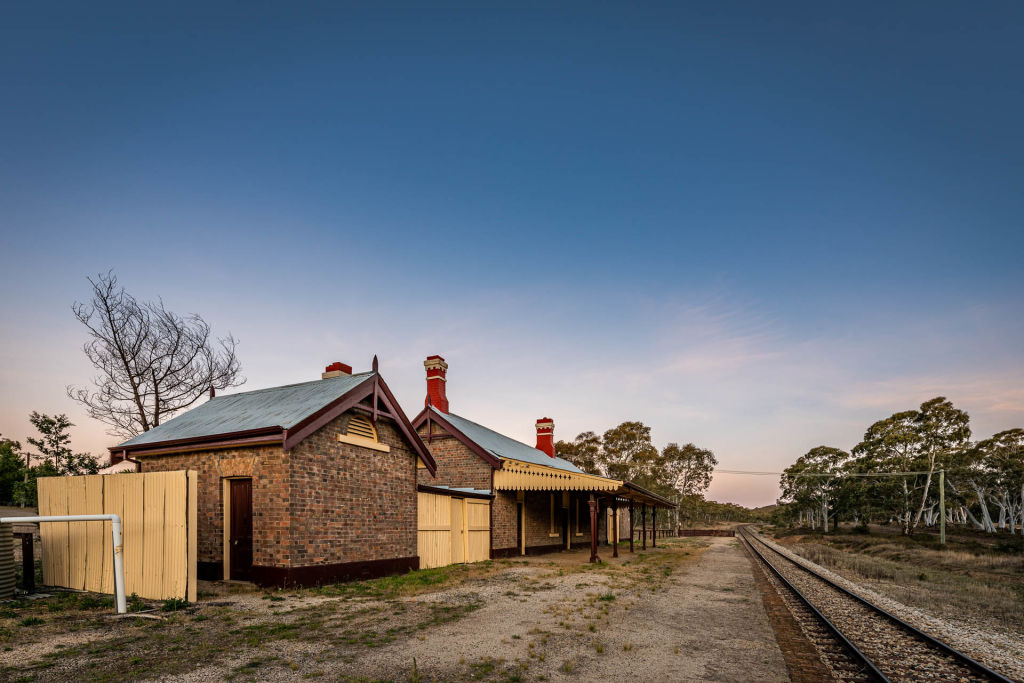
x=336 y=369
x=546 y=436
x=437 y=370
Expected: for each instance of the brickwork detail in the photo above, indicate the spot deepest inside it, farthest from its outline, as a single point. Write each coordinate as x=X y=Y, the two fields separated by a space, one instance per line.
x=325 y=502
x=503 y=520
x=268 y=467
x=349 y=503
x=456 y=464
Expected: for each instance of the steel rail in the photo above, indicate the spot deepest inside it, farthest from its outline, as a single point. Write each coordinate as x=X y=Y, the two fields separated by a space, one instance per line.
x=863 y=658
x=931 y=640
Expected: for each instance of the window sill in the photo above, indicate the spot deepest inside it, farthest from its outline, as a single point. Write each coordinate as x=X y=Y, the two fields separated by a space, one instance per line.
x=364 y=442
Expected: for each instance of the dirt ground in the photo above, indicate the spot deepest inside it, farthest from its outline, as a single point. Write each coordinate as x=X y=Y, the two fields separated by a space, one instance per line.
x=688 y=610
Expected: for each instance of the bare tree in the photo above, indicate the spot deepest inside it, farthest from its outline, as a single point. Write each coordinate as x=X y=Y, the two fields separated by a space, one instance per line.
x=151 y=362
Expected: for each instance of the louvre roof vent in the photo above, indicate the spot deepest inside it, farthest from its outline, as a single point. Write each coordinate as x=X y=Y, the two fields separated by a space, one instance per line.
x=362 y=427
x=361 y=432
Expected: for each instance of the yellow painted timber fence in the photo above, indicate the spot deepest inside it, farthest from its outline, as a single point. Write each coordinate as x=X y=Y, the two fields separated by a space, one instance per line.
x=440 y=543
x=158 y=513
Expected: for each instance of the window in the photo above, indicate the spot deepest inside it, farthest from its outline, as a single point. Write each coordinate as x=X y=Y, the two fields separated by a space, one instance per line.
x=578 y=531
x=361 y=432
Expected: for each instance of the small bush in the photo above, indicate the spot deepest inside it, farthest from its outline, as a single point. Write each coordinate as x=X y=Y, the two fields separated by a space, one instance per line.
x=31 y=621
x=135 y=603
x=174 y=604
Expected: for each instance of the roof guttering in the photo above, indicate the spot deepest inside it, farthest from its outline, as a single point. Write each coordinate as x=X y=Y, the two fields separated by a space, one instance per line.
x=455 y=493
x=263 y=435
x=639 y=490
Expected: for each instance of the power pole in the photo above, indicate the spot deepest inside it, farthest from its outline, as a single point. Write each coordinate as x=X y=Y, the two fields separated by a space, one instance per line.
x=942 y=507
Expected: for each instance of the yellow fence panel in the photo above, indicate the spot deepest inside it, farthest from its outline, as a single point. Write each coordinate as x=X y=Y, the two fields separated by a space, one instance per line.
x=77 y=540
x=100 y=558
x=113 y=503
x=478 y=529
x=434 y=530
x=436 y=515
x=133 y=528
x=159 y=515
x=175 y=537
x=152 y=535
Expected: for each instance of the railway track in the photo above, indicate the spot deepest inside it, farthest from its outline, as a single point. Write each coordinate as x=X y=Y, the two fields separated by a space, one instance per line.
x=857 y=640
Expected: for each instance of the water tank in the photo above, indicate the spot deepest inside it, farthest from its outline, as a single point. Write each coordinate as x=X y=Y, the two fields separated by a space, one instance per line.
x=6 y=561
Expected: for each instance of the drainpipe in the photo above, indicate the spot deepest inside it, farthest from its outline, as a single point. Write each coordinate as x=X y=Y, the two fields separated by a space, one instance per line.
x=115 y=530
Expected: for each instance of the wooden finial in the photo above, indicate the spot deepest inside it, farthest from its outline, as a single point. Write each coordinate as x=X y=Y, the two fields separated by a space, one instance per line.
x=375 y=362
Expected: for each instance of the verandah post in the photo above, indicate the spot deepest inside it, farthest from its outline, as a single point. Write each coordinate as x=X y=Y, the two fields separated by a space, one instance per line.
x=643 y=522
x=630 y=525
x=615 y=523
x=654 y=526
x=593 y=529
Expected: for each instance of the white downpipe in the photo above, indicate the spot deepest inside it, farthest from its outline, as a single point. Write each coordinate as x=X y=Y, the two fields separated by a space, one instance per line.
x=115 y=529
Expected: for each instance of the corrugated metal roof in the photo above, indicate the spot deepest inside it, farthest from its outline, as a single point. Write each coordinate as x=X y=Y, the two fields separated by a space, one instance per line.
x=118 y=468
x=502 y=446
x=274 y=407
x=461 y=489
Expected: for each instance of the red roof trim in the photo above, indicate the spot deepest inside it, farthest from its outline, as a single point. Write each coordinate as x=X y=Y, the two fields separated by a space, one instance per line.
x=209 y=438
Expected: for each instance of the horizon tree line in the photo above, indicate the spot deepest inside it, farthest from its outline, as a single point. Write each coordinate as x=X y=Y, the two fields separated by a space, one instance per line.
x=891 y=476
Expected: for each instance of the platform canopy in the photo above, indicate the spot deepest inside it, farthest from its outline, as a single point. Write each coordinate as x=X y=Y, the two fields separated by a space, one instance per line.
x=516 y=475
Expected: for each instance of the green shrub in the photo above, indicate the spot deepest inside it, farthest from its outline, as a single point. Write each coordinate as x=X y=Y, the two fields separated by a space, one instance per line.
x=174 y=604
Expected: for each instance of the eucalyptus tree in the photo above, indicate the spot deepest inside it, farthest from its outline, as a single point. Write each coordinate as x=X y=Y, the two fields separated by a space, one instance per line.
x=912 y=445
x=688 y=468
x=628 y=454
x=813 y=481
x=1003 y=458
x=584 y=451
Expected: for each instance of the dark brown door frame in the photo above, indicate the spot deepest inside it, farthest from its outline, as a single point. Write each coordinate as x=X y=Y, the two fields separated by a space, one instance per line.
x=238 y=523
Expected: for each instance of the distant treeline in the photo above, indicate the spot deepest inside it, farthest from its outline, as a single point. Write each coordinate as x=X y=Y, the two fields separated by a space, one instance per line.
x=892 y=476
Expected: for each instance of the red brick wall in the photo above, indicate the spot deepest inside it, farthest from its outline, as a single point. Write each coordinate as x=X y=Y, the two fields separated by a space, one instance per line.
x=503 y=520
x=268 y=467
x=538 y=520
x=456 y=464
x=325 y=502
x=349 y=503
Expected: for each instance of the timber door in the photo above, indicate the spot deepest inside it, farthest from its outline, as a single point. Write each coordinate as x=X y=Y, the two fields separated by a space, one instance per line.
x=458 y=532
x=240 y=538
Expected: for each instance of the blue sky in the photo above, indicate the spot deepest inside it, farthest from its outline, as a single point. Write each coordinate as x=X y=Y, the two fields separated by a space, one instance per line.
x=755 y=226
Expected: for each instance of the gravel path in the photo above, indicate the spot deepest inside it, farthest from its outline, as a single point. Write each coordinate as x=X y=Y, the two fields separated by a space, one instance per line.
x=705 y=622
x=688 y=610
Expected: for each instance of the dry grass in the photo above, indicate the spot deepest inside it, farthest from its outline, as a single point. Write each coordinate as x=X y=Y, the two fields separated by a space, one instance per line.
x=253 y=634
x=976 y=578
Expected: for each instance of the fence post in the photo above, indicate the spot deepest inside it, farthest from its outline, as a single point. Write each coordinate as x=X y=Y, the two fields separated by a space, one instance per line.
x=28 y=561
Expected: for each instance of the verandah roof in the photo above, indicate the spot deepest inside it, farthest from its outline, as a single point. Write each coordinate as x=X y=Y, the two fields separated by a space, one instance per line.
x=503 y=447
x=516 y=475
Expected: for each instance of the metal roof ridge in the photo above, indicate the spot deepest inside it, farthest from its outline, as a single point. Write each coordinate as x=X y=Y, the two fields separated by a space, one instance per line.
x=368 y=373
